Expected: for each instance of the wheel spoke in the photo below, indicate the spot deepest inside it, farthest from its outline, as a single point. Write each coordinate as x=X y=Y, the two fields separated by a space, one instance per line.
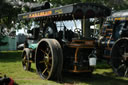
x=126 y=72
x=42 y=62
x=44 y=70
x=122 y=65
x=48 y=72
x=43 y=52
x=24 y=60
x=49 y=52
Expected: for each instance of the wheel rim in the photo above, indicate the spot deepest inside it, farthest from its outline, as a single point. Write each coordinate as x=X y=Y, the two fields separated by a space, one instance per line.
x=26 y=60
x=120 y=58
x=45 y=62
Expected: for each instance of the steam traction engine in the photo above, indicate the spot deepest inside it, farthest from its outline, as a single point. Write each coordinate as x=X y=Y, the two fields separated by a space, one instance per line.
x=64 y=49
x=113 y=44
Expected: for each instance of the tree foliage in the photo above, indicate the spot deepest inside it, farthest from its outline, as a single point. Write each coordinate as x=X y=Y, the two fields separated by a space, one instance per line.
x=9 y=11
x=8 y=14
x=115 y=4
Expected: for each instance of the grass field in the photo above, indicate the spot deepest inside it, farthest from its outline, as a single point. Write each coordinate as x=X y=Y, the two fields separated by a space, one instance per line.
x=10 y=64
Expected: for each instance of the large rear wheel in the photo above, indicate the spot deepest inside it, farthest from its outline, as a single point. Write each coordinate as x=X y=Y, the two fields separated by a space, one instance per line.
x=49 y=59
x=119 y=57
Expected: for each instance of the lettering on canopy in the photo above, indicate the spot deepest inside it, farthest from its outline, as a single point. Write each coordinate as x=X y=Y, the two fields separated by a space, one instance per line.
x=39 y=14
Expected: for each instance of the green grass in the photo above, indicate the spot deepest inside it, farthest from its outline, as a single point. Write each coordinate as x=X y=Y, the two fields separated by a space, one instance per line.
x=10 y=64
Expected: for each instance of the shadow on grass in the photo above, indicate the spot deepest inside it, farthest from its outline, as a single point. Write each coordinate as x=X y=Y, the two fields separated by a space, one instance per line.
x=15 y=83
x=33 y=70
x=103 y=64
x=94 y=79
x=10 y=56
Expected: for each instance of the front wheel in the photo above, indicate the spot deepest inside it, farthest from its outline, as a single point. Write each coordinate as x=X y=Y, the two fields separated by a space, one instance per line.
x=119 y=57
x=26 y=59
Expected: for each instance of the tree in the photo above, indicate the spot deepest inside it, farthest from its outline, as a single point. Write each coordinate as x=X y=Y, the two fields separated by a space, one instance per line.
x=115 y=4
x=64 y=2
x=14 y=7
x=7 y=14
x=1 y=42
